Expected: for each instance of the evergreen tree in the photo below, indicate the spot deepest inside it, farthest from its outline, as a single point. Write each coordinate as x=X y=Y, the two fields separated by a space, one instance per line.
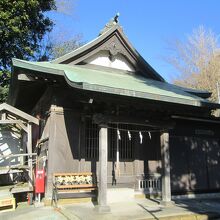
x=23 y=25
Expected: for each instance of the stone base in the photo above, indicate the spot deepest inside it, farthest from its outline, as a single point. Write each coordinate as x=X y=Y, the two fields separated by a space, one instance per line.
x=167 y=203
x=102 y=209
x=38 y=204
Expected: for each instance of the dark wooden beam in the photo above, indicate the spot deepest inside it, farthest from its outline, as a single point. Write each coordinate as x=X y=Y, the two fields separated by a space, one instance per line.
x=162 y=124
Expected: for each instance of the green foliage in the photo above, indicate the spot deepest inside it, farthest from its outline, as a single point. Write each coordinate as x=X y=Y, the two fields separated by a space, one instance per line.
x=4 y=93
x=22 y=27
x=23 y=24
x=4 y=85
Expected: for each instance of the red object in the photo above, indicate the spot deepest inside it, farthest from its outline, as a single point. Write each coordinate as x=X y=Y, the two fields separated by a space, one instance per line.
x=30 y=198
x=40 y=181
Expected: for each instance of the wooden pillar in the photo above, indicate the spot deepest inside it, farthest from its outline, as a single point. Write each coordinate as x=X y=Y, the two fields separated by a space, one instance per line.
x=103 y=157
x=165 y=158
x=51 y=144
x=29 y=149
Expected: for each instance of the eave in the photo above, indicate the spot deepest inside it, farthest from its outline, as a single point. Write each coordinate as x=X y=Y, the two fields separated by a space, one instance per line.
x=115 y=84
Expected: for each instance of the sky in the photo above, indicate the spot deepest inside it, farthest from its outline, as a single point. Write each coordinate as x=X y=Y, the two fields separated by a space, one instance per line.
x=148 y=24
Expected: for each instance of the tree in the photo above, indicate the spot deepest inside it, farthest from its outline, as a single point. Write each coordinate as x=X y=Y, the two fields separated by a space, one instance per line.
x=23 y=25
x=59 y=48
x=4 y=85
x=197 y=61
x=65 y=7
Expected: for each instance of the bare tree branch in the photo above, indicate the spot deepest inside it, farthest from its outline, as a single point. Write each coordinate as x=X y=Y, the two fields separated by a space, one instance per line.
x=197 y=60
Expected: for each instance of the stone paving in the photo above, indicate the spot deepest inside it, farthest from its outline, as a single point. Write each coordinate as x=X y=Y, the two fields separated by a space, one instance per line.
x=148 y=209
x=139 y=209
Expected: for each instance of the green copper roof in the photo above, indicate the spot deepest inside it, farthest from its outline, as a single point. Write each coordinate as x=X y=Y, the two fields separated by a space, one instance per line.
x=114 y=29
x=115 y=82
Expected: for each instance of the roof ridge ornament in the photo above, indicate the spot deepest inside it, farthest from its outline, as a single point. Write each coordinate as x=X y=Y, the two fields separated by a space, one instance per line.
x=114 y=21
x=116 y=17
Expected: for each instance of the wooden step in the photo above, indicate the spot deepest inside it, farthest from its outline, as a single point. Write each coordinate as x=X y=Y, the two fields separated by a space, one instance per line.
x=7 y=204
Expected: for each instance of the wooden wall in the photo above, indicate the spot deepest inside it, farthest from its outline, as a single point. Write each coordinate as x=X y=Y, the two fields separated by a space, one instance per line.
x=195 y=157
x=67 y=151
x=194 y=154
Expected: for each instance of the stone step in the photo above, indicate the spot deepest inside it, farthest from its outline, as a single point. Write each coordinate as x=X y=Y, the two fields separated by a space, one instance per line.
x=115 y=195
x=5 y=194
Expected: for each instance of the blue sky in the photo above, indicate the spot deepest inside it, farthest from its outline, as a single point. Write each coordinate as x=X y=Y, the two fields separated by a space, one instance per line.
x=148 y=24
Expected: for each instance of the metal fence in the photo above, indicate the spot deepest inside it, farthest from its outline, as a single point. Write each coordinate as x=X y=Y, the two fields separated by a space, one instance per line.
x=150 y=184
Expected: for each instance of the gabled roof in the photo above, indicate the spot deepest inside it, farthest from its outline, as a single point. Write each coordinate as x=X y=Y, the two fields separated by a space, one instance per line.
x=118 y=83
x=16 y=112
x=140 y=82
x=105 y=41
